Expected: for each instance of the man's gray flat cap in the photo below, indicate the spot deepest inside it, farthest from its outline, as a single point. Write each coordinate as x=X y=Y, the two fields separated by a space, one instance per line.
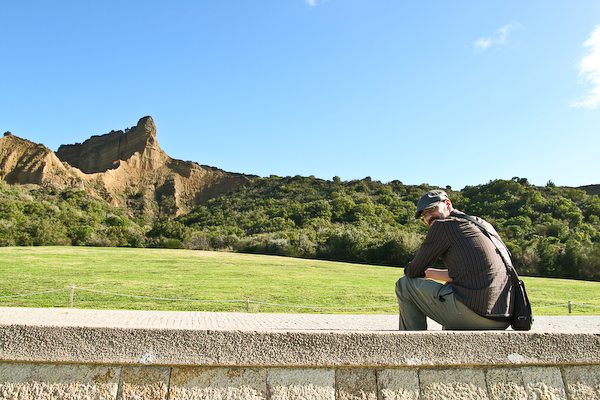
x=430 y=199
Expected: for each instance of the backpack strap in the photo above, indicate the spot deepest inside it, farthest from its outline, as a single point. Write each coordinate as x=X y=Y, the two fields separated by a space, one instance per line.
x=500 y=246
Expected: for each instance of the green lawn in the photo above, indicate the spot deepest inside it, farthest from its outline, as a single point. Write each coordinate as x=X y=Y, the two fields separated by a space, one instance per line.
x=227 y=280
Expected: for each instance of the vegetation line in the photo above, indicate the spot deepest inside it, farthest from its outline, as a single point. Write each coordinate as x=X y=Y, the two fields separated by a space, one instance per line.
x=551 y=231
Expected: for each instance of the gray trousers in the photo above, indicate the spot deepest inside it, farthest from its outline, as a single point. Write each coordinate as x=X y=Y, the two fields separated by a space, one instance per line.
x=419 y=298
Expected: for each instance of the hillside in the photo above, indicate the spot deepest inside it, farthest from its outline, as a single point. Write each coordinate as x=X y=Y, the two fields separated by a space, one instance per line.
x=129 y=170
x=121 y=189
x=550 y=231
x=591 y=189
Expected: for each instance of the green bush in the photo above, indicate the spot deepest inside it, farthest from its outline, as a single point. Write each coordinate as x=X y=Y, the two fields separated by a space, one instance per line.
x=172 y=244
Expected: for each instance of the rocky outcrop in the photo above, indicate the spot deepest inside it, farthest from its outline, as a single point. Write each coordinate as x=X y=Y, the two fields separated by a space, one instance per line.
x=137 y=146
x=25 y=162
x=127 y=169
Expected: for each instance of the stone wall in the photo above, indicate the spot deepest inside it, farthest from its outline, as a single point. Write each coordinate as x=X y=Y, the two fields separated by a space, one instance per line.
x=85 y=381
x=51 y=362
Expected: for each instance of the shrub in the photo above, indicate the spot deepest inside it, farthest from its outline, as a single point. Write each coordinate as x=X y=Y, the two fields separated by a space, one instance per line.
x=277 y=246
x=172 y=244
x=198 y=241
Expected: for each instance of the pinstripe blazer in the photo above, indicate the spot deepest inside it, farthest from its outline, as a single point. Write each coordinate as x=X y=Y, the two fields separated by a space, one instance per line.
x=479 y=277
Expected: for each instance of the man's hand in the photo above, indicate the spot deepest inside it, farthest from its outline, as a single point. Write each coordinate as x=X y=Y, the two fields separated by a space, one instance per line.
x=437 y=274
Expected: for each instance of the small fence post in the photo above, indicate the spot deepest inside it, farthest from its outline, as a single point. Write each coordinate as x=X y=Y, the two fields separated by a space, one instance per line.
x=71 y=298
x=570 y=307
x=247 y=304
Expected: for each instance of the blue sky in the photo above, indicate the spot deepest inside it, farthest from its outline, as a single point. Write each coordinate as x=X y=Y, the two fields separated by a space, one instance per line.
x=438 y=92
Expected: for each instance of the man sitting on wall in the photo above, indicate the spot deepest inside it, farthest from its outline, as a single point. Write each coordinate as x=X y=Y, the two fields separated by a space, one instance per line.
x=477 y=289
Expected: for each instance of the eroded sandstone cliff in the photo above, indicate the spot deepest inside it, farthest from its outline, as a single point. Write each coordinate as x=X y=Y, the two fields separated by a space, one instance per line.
x=127 y=169
x=138 y=147
x=25 y=162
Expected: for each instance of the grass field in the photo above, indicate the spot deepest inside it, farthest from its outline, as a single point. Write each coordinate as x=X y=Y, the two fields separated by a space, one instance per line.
x=227 y=280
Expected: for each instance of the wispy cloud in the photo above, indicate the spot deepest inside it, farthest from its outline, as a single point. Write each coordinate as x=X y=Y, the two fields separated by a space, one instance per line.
x=500 y=38
x=589 y=70
x=313 y=3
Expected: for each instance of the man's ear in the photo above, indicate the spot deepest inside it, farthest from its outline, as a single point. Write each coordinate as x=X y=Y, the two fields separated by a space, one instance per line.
x=448 y=204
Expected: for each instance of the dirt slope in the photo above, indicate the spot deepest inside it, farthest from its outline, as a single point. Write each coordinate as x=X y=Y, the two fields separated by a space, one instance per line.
x=127 y=169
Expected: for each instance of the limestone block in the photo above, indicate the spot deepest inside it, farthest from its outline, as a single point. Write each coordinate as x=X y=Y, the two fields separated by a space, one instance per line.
x=144 y=383
x=58 y=381
x=582 y=382
x=398 y=384
x=505 y=383
x=301 y=383
x=190 y=383
x=356 y=384
x=453 y=383
x=544 y=383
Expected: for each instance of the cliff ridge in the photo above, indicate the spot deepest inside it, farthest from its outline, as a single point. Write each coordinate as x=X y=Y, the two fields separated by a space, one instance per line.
x=127 y=169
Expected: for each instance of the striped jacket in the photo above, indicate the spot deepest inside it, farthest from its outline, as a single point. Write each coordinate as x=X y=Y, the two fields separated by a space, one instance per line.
x=479 y=277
